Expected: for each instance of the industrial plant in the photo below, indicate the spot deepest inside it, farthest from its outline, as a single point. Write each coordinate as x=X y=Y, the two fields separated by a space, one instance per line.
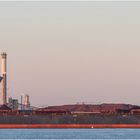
x=10 y=102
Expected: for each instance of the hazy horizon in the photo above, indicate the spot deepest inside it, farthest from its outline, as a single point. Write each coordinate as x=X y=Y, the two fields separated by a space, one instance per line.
x=69 y=52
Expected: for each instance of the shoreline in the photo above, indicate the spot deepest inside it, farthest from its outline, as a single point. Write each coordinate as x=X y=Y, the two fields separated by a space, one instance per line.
x=67 y=126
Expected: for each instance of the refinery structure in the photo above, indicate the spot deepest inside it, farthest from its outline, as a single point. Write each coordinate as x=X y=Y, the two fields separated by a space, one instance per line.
x=9 y=101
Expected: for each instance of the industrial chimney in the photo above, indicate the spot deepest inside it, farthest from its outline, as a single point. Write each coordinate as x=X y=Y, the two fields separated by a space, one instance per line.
x=4 y=77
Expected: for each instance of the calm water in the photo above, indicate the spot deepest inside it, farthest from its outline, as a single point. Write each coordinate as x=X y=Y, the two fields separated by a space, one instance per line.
x=69 y=133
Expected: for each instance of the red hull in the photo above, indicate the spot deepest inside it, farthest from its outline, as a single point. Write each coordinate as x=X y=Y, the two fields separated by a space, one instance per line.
x=69 y=126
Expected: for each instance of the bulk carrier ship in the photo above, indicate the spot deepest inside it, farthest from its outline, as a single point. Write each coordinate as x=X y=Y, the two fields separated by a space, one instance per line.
x=56 y=117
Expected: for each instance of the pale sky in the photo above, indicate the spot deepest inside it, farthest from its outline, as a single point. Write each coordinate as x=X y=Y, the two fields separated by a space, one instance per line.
x=68 y=52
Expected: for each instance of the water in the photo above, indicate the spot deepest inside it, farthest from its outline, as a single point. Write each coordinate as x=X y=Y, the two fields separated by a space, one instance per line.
x=69 y=133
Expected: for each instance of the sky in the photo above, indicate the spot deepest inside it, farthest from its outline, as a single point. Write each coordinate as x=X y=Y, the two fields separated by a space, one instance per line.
x=72 y=52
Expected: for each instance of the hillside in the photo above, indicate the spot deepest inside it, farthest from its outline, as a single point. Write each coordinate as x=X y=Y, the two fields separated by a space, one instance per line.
x=92 y=108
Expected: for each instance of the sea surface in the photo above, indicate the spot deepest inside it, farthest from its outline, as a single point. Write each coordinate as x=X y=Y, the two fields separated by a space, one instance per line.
x=70 y=134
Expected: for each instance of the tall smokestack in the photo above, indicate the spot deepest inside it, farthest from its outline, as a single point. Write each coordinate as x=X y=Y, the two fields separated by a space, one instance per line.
x=4 y=77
